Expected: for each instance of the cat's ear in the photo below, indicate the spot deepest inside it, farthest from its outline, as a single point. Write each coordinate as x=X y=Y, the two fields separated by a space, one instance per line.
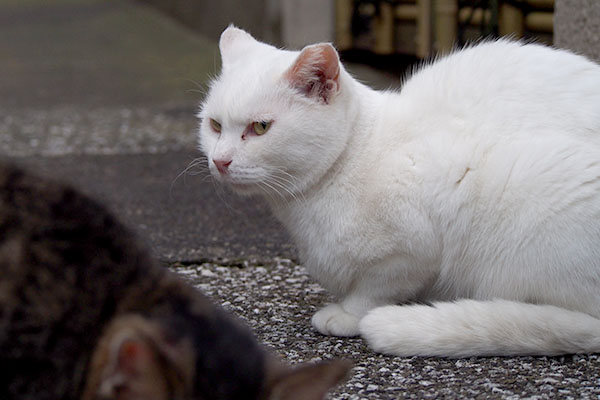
x=234 y=42
x=306 y=382
x=316 y=72
x=134 y=360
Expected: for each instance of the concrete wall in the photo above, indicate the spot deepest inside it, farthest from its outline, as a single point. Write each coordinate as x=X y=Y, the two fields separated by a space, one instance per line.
x=211 y=17
x=577 y=26
x=289 y=23
x=306 y=21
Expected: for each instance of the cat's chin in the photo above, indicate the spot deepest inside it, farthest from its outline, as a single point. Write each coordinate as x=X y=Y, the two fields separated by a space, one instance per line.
x=243 y=188
x=253 y=189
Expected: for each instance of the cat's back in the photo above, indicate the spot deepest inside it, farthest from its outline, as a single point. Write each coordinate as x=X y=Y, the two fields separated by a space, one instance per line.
x=507 y=86
x=506 y=143
x=48 y=227
x=65 y=263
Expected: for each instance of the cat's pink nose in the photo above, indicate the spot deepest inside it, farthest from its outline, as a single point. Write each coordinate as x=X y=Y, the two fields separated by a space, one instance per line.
x=222 y=165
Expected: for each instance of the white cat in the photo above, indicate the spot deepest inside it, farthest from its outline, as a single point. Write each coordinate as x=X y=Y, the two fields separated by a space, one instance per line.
x=476 y=187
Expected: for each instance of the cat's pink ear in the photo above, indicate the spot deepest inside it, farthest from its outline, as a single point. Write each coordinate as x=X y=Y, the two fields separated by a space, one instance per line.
x=135 y=360
x=133 y=356
x=133 y=369
x=316 y=72
x=233 y=42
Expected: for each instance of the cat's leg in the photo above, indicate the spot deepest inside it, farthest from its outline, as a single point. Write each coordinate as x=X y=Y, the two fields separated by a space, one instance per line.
x=391 y=282
x=341 y=319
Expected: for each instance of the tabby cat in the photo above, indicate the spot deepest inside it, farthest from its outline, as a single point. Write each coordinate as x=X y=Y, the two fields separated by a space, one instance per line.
x=86 y=313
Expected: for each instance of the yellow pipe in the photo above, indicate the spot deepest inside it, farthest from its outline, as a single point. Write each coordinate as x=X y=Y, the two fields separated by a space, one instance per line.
x=423 y=21
x=343 y=29
x=384 y=29
x=540 y=3
x=476 y=16
x=406 y=12
x=510 y=21
x=540 y=21
x=446 y=18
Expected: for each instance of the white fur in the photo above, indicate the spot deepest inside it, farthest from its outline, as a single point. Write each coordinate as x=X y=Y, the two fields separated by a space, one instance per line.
x=462 y=329
x=479 y=180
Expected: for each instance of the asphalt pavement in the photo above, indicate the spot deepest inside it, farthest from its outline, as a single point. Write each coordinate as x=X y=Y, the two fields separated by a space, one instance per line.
x=103 y=94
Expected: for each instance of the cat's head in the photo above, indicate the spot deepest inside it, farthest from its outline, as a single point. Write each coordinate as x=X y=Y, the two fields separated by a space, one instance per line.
x=137 y=359
x=274 y=121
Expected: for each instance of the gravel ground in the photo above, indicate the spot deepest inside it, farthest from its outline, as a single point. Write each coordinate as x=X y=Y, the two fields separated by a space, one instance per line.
x=58 y=131
x=278 y=298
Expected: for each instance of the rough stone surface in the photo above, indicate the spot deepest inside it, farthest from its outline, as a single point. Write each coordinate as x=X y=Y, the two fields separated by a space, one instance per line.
x=278 y=298
x=577 y=26
x=68 y=129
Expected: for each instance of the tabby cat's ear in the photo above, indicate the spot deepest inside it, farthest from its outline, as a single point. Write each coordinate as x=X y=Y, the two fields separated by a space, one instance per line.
x=316 y=72
x=306 y=382
x=135 y=360
x=233 y=43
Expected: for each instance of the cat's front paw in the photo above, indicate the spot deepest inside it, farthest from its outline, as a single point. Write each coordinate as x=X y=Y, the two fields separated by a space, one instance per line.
x=333 y=320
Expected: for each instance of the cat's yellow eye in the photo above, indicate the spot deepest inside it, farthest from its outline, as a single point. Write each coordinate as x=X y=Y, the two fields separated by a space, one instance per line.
x=261 y=127
x=215 y=125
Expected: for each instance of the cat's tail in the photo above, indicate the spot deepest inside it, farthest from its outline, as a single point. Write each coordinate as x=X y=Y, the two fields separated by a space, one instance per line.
x=480 y=328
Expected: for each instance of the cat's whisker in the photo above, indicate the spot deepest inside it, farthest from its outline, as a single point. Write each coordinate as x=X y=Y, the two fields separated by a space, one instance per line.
x=220 y=190
x=276 y=187
x=193 y=164
x=287 y=182
x=197 y=166
x=198 y=173
x=275 y=182
x=266 y=190
x=200 y=88
x=293 y=183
